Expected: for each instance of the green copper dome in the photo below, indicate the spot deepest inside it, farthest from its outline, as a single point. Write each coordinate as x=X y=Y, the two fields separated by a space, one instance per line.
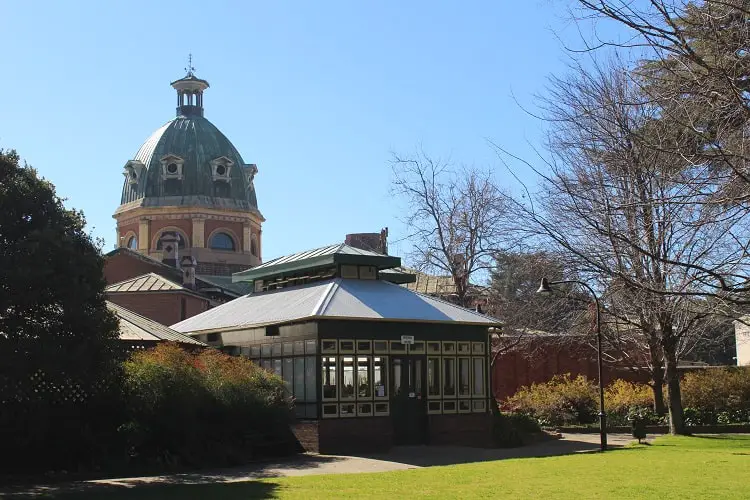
x=188 y=161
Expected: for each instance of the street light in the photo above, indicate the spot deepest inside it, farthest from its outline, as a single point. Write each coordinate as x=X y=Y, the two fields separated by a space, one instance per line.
x=545 y=288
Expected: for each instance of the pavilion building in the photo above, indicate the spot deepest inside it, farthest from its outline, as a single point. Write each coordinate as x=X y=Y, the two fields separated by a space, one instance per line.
x=370 y=363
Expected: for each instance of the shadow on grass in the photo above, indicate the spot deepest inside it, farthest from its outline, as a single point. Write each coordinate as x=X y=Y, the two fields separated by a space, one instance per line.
x=430 y=456
x=227 y=481
x=224 y=491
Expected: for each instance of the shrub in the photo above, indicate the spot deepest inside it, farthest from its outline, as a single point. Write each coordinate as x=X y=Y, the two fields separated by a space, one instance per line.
x=620 y=396
x=712 y=392
x=198 y=409
x=561 y=401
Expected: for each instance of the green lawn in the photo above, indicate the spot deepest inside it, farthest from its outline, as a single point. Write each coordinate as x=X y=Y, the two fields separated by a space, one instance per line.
x=672 y=467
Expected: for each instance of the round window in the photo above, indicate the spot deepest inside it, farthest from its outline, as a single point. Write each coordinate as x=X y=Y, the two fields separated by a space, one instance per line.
x=172 y=168
x=134 y=176
x=221 y=170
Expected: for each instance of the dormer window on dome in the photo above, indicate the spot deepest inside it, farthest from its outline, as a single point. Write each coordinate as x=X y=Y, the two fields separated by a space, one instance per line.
x=133 y=171
x=221 y=169
x=171 y=167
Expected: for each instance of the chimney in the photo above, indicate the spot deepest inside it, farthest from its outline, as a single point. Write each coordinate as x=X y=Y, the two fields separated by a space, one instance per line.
x=188 y=265
x=373 y=242
x=169 y=246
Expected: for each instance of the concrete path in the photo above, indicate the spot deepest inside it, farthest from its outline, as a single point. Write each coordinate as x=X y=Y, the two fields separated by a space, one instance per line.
x=402 y=457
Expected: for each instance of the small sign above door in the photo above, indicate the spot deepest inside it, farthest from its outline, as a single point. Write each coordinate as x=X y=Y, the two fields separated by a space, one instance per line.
x=407 y=339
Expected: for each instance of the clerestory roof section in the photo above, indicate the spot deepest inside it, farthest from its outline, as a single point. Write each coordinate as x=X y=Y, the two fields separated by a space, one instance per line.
x=330 y=255
x=337 y=298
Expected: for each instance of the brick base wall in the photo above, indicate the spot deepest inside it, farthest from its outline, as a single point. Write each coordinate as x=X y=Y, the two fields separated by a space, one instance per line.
x=355 y=435
x=307 y=435
x=473 y=429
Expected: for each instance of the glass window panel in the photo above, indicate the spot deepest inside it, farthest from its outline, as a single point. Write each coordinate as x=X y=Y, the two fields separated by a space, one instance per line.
x=381 y=408
x=266 y=364
x=347 y=377
x=346 y=346
x=397 y=366
x=397 y=347
x=380 y=346
x=327 y=346
x=329 y=377
x=311 y=346
x=417 y=347
x=449 y=376
x=433 y=377
x=478 y=376
x=288 y=348
x=478 y=405
x=364 y=409
x=364 y=380
x=299 y=347
x=311 y=411
x=464 y=347
x=364 y=346
x=449 y=406
x=266 y=350
x=434 y=406
x=275 y=350
x=477 y=347
x=255 y=351
x=277 y=367
x=464 y=405
x=245 y=352
x=464 y=377
x=347 y=410
x=330 y=410
x=299 y=378
x=416 y=377
x=380 y=376
x=433 y=347
x=310 y=393
x=449 y=348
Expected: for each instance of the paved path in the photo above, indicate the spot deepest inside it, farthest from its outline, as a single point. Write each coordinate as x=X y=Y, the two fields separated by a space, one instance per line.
x=402 y=457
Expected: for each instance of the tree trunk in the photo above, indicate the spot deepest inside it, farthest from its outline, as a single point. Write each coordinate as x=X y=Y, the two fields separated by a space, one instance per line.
x=657 y=373
x=676 y=417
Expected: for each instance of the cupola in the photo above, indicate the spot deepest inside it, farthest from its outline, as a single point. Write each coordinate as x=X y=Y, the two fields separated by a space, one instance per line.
x=190 y=92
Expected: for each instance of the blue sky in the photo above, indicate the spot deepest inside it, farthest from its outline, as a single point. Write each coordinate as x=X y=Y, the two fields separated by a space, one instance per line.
x=318 y=94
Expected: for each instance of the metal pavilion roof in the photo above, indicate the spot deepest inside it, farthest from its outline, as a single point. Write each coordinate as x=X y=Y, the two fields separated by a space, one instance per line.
x=134 y=327
x=339 y=253
x=334 y=299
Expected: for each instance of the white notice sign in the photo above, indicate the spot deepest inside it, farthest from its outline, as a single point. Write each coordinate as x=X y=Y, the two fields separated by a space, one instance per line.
x=407 y=339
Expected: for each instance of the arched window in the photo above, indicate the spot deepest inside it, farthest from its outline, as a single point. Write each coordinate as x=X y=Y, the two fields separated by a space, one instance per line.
x=133 y=243
x=221 y=241
x=180 y=240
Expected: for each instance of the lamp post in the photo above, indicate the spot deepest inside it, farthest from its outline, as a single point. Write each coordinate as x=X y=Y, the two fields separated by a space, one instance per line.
x=545 y=288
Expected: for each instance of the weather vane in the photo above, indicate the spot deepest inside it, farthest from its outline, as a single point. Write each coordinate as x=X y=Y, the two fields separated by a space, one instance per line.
x=190 y=69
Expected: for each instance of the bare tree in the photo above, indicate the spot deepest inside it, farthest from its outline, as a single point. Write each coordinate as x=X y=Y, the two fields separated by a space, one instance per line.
x=454 y=216
x=630 y=217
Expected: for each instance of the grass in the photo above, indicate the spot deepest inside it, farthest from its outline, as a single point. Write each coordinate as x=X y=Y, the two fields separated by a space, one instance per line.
x=671 y=467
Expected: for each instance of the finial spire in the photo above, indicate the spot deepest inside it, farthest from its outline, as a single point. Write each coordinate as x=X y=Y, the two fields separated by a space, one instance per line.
x=190 y=69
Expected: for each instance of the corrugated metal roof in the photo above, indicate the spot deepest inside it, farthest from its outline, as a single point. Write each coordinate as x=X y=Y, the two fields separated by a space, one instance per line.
x=340 y=253
x=336 y=298
x=136 y=327
x=150 y=282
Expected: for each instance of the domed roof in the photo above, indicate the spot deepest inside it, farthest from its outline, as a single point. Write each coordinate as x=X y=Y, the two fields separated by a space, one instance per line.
x=188 y=161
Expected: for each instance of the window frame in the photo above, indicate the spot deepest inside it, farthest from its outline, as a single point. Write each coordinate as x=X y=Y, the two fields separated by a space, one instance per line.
x=220 y=233
x=458 y=377
x=439 y=360
x=483 y=371
x=386 y=382
x=384 y=413
x=443 y=379
x=342 y=372
x=369 y=378
x=377 y=347
x=329 y=350
x=335 y=378
x=345 y=350
x=438 y=410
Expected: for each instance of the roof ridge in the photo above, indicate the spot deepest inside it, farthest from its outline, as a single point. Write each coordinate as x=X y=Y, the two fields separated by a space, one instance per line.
x=325 y=299
x=145 y=275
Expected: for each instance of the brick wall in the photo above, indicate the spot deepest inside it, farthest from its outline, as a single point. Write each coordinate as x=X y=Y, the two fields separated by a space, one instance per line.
x=539 y=364
x=307 y=435
x=471 y=429
x=354 y=435
x=235 y=229
x=121 y=267
x=163 y=308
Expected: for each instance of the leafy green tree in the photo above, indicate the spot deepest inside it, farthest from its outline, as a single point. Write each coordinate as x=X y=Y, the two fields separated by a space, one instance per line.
x=59 y=351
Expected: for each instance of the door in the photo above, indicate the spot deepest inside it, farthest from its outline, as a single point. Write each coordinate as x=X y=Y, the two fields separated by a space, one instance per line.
x=408 y=399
